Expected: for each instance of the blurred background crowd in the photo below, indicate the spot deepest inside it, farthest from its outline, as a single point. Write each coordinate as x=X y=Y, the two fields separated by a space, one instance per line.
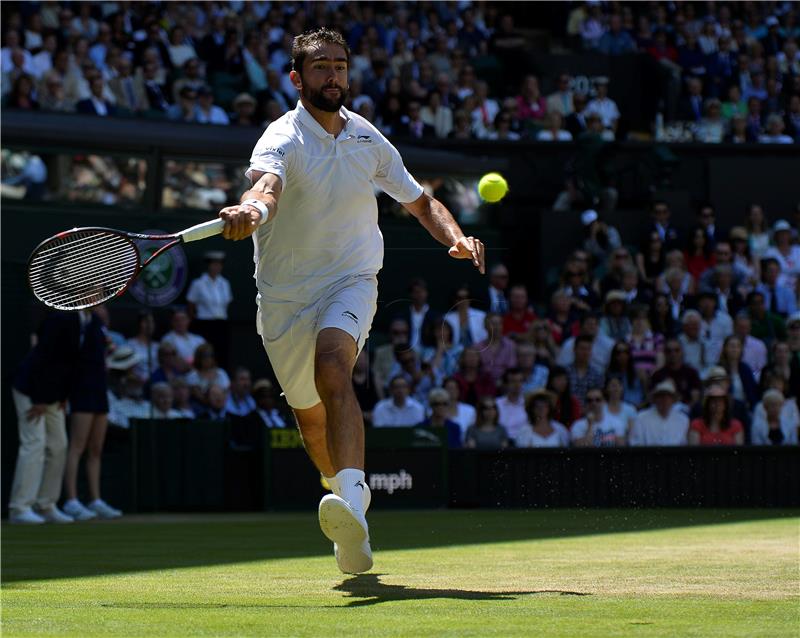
x=726 y=72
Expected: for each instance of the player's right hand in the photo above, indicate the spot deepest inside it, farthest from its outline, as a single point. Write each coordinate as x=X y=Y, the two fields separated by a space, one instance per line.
x=240 y=221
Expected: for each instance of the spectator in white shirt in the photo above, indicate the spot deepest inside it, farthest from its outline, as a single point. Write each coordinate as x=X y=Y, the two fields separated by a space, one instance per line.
x=601 y=345
x=605 y=424
x=774 y=133
x=184 y=341
x=485 y=111
x=660 y=424
x=206 y=373
x=468 y=323
x=399 y=410
x=715 y=325
x=775 y=420
x=240 y=402
x=145 y=347
x=161 y=398
x=554 y=131
x=264 y=395
x=694 y=347
x=207 y=111
x=604 y=106
x=511 y=406
x=754 y=351
x=542 y=430
x=209 y=297
x=787 y=253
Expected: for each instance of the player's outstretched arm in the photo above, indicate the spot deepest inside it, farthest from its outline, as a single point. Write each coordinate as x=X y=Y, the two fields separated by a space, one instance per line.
x=438 y=221
x=256 y=206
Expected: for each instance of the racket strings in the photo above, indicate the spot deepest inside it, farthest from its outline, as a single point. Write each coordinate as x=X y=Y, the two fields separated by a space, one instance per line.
x=82 y=269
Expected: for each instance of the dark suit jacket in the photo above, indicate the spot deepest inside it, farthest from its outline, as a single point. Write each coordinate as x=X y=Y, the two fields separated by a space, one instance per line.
x=672 y=237
x=689 y=111
x=87 y=107
x=749 y=384
x=429 y=322
x=404 y=130
x=47 y=373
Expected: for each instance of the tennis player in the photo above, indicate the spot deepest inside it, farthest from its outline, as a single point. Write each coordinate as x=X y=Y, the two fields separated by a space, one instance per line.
x=317 y=256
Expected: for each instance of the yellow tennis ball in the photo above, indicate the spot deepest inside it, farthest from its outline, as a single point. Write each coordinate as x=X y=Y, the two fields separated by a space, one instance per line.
x=492 y=187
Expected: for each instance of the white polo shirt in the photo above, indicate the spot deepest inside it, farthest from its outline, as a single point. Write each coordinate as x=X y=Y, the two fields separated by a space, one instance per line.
x=327 y=225
x=388 y=415
x=211 y=296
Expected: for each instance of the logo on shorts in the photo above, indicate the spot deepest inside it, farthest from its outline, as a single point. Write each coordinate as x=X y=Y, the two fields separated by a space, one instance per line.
x=364 y=139
x=350 y=315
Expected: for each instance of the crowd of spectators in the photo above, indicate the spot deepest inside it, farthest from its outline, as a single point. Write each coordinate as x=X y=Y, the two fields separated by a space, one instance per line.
x=692 y=339
x=419 y=70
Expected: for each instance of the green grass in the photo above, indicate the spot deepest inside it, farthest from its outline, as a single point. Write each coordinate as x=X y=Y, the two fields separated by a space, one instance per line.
x=438 y=573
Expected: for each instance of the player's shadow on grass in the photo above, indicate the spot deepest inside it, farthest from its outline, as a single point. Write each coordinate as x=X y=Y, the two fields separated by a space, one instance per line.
x=367 y=589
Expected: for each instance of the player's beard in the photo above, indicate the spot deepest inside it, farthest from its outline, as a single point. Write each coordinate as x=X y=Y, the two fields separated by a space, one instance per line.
x=318 y=98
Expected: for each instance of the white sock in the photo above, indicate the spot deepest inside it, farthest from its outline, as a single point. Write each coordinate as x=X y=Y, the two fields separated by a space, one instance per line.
x=351 y=487
x=333 y=481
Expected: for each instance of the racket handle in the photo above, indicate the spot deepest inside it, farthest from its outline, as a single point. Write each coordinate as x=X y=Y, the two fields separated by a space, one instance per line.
x=202 y=231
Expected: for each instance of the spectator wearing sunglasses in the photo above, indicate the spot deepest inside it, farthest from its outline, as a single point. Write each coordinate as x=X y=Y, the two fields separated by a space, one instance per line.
x=487 y=434
x=439 y=422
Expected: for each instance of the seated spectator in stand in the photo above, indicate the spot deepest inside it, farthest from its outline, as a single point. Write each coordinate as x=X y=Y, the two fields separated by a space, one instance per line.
x=511 y=406
x=240 y=402
x=399 y=409
x=498 y=352
x=729 y=300
x=161 y=398
x=561 y=101
x=583 y=374
x=562 y=316
x=244 y=110
x=534 y=375
x=766 y=325
x=754 y=351
x=574 y=283
x=421 y=376
x=693 y=345
x=774 y=133
x=576 y=121
x=487 y=435
x=495 y=299
x=542 y=429
x=698 y=255
x=125 y=389
x=742 y=380
x=386 y=354
x=616 y=41
x=214 y=401
x=781 y=363
x=660 y=425
x=438 y=421
x=467 y=322
x=185 y=109
x=184 y=341
x=615 y=323
x=265 y=397
x=601 y=238
x=474 y=382
x=207 y=111
x=206 y=373
x=554 y=131
x=531 y=103
x=182 y=398
x=621 y=366
x=444 y=356
x=145 y=347
x=460 y=412
x=604 y=106
x=778 y=298
x=668 y=234
x=96 y=103
x=128 y=89
x=618 y=263
x=716 y=426
x=363 y=386
x=605 y=424
x=711 y=128
x=540 y=337
x=413 y=126
x=168 y=366
x=775 y=420
x=715 y=325
x=683 y=377
x=566 y=407
x=520 y=315
x=600 y=346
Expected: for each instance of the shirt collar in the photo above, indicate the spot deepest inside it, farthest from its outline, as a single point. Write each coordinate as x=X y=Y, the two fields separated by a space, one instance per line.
x=316 y=128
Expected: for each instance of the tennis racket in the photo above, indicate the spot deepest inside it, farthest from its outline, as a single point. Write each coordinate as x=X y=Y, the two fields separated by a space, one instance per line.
x=85 y=267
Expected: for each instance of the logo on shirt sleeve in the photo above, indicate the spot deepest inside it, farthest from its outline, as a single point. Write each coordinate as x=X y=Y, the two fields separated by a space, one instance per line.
x=364 y=139
x=275 y=149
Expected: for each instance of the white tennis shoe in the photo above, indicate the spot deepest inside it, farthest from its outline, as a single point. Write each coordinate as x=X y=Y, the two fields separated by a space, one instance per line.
x=26 y=517
x=77 y=511
x=104 y=510
x=54 y=515
x=349 y=532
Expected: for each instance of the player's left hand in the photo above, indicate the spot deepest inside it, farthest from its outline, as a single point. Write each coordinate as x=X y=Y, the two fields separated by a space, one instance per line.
x=241 y=220
x=469 y=248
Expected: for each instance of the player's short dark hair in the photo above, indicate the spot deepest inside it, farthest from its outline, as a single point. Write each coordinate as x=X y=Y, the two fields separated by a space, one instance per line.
x=306 y=42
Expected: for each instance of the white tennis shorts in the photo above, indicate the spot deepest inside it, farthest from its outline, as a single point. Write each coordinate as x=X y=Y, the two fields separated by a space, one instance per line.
x=289 y=331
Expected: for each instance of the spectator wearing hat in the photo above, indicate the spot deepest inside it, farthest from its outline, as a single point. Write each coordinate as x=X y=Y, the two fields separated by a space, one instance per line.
x=438 y=421
x=126 y=389
x=778 y=298
x=207 y=111
x=615 y=323
x=775 y=420
x=694 y=347
x=603 y=105
x=244 y=110
x=786 y=253
x=601 y=239
x=716 y=426
x=517 y=321
x=683 y=377
x=542 y=430
x=717 y=376
x=660 y=425
x=185 y=109
x=754 y=351
x=208 y=299
x=766 y=325
x=399 y=409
